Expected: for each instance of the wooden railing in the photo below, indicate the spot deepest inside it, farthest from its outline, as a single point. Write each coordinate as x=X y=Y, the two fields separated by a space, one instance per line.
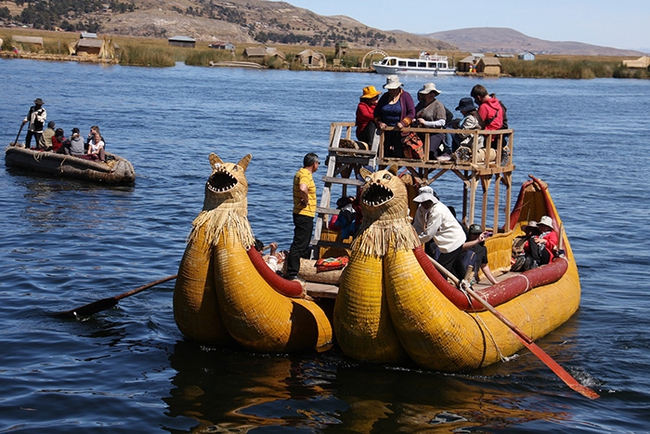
x=475 y=171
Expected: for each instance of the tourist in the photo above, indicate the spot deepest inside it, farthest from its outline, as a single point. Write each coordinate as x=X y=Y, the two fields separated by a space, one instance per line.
x=304 y=211
x=57 y=141
x=274 y=259
x=95 y=145
x=345 y=222
x=74 y=146
x=470 y=121
x=489 y=108
x=434 y=221
x=430 y=113
x=540 y=246
x=36 y=118
x=547 y=240
x=522 y=261
x=395 y=108
x=365 y=116
x=476 y=253
x=46 y=139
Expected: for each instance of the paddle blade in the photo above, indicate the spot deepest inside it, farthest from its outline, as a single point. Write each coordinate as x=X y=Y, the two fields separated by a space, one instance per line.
x=559 y=370
x=88 y=309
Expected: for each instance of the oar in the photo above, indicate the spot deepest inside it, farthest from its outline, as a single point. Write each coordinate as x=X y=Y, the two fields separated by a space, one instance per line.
x=527 y=341
x=15 y=143
x=107 y=303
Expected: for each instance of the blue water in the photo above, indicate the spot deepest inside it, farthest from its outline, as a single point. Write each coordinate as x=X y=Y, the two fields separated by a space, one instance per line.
x=128 y=369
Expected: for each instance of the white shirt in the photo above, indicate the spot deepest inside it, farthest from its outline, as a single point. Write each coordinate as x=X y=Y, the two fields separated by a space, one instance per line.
x=439 y=224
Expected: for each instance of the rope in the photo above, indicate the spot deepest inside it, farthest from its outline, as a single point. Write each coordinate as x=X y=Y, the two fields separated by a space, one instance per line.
x=38 y=156
x=494 y=342
x=476 y=316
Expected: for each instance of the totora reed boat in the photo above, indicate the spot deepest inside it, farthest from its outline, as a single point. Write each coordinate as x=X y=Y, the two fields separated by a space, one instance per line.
x=389 y=304
x=115 y=171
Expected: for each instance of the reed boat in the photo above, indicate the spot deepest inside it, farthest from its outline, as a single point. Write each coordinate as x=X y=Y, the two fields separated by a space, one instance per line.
x=225 y=293
x=389 y=304
x=115 y=171
x=393 y=306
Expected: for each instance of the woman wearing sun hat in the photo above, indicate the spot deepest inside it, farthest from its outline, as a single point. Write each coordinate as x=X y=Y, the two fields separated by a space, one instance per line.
x=365 y=122
x=541 y=248
x=471 y=121
x=431 y=113
x=394 y=109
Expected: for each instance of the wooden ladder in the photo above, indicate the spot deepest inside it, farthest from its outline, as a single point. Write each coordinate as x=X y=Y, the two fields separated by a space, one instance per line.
x=343 y=165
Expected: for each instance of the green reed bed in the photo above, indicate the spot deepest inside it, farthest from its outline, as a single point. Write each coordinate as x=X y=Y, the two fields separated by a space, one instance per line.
x=203 y=57
x=559 y=68
x=56 y=47
x=140 y=55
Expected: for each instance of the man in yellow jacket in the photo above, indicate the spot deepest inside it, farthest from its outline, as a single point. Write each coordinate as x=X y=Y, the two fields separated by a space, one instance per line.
x=304 y=211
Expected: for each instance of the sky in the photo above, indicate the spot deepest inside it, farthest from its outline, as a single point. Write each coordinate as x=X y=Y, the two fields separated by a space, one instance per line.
x=620 y=24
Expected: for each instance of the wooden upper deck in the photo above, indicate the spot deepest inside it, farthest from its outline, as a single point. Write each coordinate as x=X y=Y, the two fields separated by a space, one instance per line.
x=344 y=159
x=482 y=177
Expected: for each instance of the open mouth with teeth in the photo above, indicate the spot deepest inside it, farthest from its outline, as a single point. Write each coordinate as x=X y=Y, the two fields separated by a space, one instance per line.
x=221 y=181
x=376 y=195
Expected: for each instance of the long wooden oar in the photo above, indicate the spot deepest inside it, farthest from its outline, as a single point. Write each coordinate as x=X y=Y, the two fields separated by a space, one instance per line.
x=15 y=143
x=107 y=303
x=527 y=341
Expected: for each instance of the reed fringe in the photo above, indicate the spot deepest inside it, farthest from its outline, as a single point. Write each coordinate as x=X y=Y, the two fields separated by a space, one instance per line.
x=384 y=235
x=218 y=220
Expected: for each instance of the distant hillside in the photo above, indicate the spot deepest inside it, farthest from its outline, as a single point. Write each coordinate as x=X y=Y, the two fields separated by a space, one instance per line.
x=503 y=40
x=266 y=22
x=237 y=21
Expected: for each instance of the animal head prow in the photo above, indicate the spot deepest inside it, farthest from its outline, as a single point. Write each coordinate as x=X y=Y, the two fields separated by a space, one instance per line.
x=243 y=163
x=365 y=173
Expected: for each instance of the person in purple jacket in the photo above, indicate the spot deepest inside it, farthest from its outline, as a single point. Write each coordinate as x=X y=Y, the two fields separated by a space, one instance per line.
x=394 y=109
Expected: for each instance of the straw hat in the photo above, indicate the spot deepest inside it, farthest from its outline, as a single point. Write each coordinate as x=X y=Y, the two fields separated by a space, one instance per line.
x=369 y=92
x=38 y=101
x=392 y=82
x=424 y=194
x=428 y=88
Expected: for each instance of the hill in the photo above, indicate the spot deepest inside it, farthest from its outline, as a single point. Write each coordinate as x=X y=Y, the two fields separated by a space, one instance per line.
x=503 y=40
x=237 y=21
x=267 y=22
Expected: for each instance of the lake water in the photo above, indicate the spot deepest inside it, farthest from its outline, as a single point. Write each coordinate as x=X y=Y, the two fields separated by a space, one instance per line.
x=128 y=369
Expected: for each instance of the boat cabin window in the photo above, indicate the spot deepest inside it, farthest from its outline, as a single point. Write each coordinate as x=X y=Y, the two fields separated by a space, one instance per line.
x=412 y=63
x=422 y=64
x=401 y=63
x=432 y=64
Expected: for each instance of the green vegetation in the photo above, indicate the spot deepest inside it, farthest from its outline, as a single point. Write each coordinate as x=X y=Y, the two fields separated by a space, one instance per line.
x=56 y=47
x=559 y=68
x=138 y=55
x=203 y=57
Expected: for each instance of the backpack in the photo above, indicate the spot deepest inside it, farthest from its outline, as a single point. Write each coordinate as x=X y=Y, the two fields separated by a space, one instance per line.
x=504 y=124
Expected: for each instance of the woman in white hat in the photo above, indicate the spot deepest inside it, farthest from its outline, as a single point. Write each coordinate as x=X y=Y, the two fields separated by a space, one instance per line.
x=394 y=109
x=431 y=113
x=365 y=119
x=434 y=222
